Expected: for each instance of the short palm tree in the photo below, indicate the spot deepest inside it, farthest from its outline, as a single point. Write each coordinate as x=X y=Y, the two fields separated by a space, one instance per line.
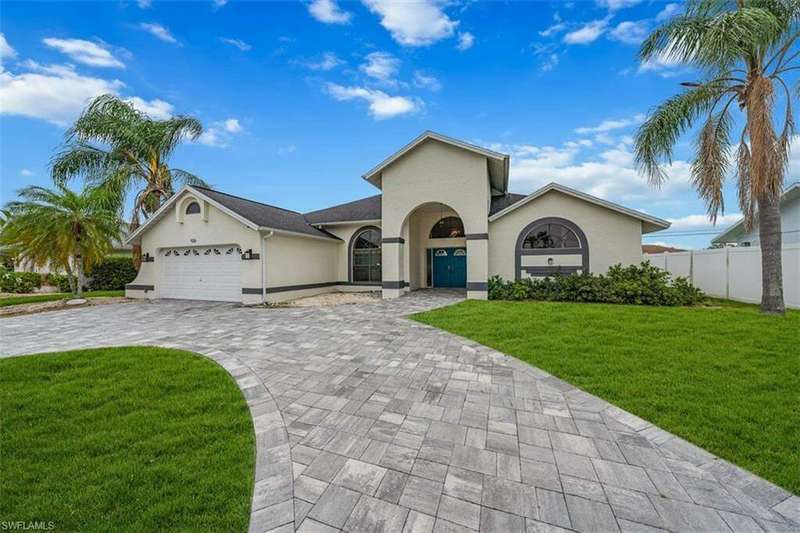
x=744 y=50
x=123 y=150
x=61 y=227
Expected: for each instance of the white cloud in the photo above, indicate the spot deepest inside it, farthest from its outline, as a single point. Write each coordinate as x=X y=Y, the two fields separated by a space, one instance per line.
x=426 y=81
x=158 y=31
x=610 y=125
x=697 y=222
x=668 y=12
x=553 y=29
x=219 y=3
x=614 y=5
x=6 y=51
x=588 y=33
x=465 y=41
x=238 y=43
x=220 y=134
x=329 y=12
x=26 y=172
x=232 y=125
x=56 y=93
x=663 y=65
x=155 y=109
x=419 y=23
x=381 y=105
x=549 y=62
x=382 y=66
x=286 y=150
x=144 y=4
x=328 y=61
x=629 y=32
x=86 y=52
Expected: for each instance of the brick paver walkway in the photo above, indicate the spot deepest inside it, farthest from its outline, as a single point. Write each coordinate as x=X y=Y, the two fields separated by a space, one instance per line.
x=366 y=421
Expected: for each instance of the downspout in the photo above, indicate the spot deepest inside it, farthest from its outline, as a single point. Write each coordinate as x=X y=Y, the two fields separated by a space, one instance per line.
x=264 y=265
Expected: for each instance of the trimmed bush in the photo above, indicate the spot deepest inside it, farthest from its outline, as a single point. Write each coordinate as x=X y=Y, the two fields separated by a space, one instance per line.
x=60 y=281
x=19 y=282
x=112 y=274
x=642 y=284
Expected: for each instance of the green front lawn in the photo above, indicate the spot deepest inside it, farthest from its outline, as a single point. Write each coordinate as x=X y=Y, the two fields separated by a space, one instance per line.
x=124 y=439
x=725 y=378
x=55 y=296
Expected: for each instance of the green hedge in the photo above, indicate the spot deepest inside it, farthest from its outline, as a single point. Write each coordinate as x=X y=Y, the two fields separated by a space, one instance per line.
x=58 y=280
x=642 y=284
x=19 y=282
x=112 y=274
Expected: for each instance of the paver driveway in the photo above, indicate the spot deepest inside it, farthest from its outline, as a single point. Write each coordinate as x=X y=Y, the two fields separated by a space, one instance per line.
x=366 y=421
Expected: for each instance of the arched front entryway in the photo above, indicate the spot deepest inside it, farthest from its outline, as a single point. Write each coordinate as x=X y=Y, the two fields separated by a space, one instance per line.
x=549 y=246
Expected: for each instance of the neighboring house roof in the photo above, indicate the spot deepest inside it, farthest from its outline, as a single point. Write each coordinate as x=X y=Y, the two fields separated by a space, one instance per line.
x=369 y=209
x=498 y=163
x=253 y=214
x=649 y=222
x=789 y=193
x=359 y=210
x=658 y=249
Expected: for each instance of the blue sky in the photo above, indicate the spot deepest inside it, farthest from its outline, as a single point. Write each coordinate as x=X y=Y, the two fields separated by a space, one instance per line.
x=300 y=99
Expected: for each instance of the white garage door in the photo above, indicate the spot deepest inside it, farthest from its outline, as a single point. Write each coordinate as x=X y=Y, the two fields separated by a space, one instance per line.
x=201 y=273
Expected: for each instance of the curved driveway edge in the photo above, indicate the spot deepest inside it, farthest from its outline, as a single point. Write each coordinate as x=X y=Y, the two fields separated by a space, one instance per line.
x=385 y=424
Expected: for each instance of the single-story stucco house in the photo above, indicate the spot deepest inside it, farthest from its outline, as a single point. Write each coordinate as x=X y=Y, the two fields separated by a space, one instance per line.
x=444 y=218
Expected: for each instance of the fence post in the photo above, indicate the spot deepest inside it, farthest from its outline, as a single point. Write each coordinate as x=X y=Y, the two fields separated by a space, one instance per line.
x=691 y=266
x=727 y=272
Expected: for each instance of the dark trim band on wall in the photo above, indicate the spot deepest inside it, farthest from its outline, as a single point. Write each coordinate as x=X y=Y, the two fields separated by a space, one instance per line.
x=583 y=251
x=393 y=284
x=288 y=288
x=477 y=236
x=350 y=245
x=477 y=286
x=247 y=290
x=132 y=287
x=252 y=257
x=147 y=258
x=393 y=240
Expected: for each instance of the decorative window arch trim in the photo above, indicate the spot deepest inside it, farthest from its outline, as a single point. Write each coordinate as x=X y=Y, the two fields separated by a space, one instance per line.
x=447 y=217
x=195 y=208
x=182 y=204
x=519 y=251
x=350 y=246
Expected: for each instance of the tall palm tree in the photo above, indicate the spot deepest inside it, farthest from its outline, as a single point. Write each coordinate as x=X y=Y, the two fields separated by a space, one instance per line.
x=115 y=146
x=744 y=50
x=61 y=227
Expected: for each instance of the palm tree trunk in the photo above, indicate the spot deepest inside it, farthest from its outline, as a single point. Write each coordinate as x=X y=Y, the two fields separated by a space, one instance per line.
x=769 y=233
x=79 y=275
x=136 y=249
x=70 y=278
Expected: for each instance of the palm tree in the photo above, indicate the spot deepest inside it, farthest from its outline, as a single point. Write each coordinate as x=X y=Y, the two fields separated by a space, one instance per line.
x=123 y=150
x=744 y=50
x=61 y=227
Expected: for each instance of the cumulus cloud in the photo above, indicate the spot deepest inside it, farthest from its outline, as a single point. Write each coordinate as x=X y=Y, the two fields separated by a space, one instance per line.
x=26 y=172
x=328 y=12
x=663 y=65
x=328 y=61
x=419 y=23
x=381 y=66
x=698 y=222
x=232 y=125
x=381 y=105
x=615 y=5
x=144 y=4
x=611 y=125
x=238 y=43
x=629 y=32
x=220 y=133
x=426 y=81
x=669 y=11
x=86 y=52
x=155 y=109
x=588 y=33
x=6 y=51
x=465 y=41
x=557 y=27
x=158 y=31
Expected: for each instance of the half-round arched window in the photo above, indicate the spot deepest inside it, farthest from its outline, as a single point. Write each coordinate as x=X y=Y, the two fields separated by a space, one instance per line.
x=551 y=235
x=447 y=228
x=366 y=256
x=193 y=208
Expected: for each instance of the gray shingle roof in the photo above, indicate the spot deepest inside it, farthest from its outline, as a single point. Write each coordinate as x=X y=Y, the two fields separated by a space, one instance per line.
x=264 y=215
x=501 y=202
x=364 y=209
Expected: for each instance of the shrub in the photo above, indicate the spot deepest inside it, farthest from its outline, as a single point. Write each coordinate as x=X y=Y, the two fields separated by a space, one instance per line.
x=60 y=281
x=19 y=282
x=112 y=274
x=642 y=284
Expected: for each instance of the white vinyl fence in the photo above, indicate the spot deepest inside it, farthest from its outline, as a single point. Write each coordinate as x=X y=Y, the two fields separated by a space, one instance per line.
x=732 y=273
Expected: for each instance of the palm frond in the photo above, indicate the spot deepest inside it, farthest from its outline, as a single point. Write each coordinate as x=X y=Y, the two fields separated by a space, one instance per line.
x=710 y=165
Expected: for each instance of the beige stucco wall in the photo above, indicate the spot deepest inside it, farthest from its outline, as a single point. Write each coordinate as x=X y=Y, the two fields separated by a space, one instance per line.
x=209 y=228
x=294 y=260
x=432 y=172
x=613 y=237
x=345 y=232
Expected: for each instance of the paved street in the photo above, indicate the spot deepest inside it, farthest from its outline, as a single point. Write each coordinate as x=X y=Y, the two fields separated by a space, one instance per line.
x=366 y=421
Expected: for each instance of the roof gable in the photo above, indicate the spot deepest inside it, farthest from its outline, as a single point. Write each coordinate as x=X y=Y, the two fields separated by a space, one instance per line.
x=736 y=230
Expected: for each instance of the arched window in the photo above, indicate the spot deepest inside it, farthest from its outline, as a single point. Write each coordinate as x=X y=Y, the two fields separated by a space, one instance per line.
x=193 y=208
x=447 y=228
x=366 y=256
x=552 y=235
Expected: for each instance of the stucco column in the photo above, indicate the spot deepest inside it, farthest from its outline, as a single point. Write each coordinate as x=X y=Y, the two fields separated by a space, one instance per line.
x=477 y=266
x=393 y=266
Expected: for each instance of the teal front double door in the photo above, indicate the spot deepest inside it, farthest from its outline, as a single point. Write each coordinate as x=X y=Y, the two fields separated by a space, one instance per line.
x=449 y=267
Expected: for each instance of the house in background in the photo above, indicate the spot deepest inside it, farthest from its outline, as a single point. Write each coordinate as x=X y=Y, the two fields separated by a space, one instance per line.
x=119 y=248
x=444 y=218
x=659 y=249
x=737 y=235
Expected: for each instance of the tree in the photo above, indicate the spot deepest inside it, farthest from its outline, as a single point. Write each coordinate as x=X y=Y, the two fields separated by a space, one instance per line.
x=744 y=50
x=61 y=227
x=116 y=147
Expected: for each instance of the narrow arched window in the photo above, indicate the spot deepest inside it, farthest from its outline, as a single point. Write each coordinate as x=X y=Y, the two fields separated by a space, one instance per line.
x=193 y=208
x=447 y=228
x=552 y=235
x=366 y=260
